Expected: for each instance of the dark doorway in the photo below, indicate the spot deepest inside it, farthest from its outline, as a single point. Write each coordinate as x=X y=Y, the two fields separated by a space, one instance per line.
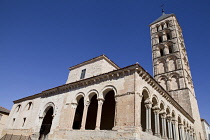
x=108 y=112
x=78 y=114
x=46 y=124
x=92 y=114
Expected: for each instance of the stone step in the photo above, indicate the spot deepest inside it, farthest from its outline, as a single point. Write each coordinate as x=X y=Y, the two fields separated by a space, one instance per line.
x=15 y=137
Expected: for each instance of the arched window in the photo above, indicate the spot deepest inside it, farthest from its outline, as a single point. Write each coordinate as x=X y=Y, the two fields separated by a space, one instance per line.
x=92 y=114
x=170 y=48
x=161 y=67
x=174 y=82
x=78 y=114
x=18 y=108
x=143 y=110
x=167 y=24
x=168 y=36
x=163 y=83
x=157 y=28
x=108 y=111
x=46 y=124
x=161 y=51
x=171 y=64
x=162 y=26
x=154 y=103
x=29 y=105
x=160 y=39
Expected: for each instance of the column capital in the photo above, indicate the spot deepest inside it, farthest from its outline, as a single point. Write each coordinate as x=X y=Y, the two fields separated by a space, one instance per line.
x=156 y=107
x=74 y=105
x=87 y=103
x=163 y=115
x=148 y=106
x=156 y=111
x=100 y=101
x=169 y=118
x=147 y=101
x=174 y=121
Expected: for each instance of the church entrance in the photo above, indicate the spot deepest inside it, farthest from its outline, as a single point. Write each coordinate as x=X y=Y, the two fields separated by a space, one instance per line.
x=46 y=124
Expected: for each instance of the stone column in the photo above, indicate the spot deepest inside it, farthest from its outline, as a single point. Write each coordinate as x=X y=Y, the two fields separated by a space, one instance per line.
x=191 y=135
x=170 y=137
x=175 y=129
x=194 y=136
x=84 y=116
x=148 y=117
x=185 y=133
x=181 y=132
x=74 y=107
x=163 y=118
x=157 y=123
x=140 y=98
x=98 y=120
x=166 y=50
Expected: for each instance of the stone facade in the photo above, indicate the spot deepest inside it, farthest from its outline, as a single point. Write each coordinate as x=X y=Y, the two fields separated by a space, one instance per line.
x=101 y=101
x=206 y=129
x=4 y=114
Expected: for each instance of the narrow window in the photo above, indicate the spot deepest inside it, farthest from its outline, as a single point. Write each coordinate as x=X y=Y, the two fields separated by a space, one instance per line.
x=29 y=105
x=18 y=109
x=13 y=122
x=157 y=28
x=170 y=49
x=168 y=36
x=167 y=24
x=160 y=39
x=24 y=120
x=161 y=52
x=83 y=74
x=162 y=26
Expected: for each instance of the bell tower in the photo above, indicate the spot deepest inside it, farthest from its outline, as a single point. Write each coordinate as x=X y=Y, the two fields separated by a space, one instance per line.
x=170 y=63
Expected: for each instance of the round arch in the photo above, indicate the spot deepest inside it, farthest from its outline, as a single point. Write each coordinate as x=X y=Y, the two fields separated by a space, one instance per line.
x=91 y=93
x=106 y=89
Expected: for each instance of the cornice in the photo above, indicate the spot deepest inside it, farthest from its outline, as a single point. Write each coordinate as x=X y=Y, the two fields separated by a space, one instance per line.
x=109 y=76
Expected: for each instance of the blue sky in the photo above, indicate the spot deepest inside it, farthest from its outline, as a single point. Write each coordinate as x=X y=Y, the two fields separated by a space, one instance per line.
x=41 y=39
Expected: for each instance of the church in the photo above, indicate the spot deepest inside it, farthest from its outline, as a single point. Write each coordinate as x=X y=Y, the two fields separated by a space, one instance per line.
x=101 y=101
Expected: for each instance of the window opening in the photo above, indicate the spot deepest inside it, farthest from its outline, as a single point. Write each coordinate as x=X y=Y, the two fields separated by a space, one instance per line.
x=157 y=28
x=161 y=52
x=83 y=74
x=29 y=105
x=168 y=36
x=160 y=39
x=18 y=108
x=170 y=49
x=162 y=26
x=13 y=121
x=24 y=120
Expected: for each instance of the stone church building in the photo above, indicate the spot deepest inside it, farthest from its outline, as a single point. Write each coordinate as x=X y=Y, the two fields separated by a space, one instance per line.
x=101 y=101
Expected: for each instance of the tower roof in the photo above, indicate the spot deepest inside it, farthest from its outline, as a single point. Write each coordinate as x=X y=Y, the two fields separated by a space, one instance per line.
x=162 y=17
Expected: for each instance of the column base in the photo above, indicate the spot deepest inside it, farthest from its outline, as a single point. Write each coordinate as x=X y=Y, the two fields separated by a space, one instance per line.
x=97 y=128
x=165 y=138
x=158 y=135
x=149 y=131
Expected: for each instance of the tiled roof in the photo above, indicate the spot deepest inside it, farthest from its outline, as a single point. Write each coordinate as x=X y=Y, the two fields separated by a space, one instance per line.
x=4 y=110
x=162 y=17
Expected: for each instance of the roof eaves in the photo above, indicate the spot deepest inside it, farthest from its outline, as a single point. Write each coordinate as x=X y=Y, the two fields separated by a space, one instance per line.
x=164 y=16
